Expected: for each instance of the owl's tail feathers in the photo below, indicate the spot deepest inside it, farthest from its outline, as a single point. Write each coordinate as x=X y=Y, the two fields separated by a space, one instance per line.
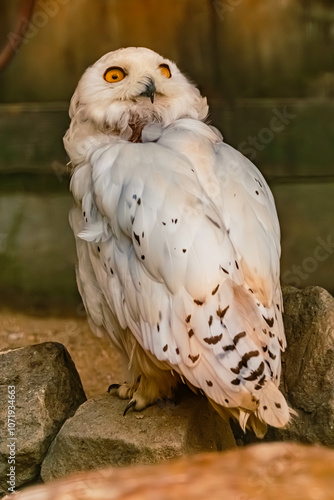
x=272 y=410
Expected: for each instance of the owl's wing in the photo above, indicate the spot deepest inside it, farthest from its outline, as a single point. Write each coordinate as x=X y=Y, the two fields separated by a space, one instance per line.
x=185 y=251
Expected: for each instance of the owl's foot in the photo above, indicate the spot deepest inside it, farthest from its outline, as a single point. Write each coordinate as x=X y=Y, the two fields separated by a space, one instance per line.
x=147 y=390
x=124 y=391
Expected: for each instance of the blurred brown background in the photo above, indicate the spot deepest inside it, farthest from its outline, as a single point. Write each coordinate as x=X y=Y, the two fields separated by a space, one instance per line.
x=267 y=68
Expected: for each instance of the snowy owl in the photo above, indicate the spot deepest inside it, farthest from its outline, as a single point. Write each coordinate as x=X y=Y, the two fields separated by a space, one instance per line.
x=178 y=241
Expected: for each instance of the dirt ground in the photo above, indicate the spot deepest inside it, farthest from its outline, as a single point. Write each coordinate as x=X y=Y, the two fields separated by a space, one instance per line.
x=96 y=360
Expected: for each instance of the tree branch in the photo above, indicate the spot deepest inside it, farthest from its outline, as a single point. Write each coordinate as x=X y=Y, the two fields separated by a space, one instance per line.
x=20 y=28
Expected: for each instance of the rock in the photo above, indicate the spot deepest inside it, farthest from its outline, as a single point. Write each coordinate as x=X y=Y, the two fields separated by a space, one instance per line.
x=98 y=435
x=259 y=472
x=45 y=389
x=308 y=365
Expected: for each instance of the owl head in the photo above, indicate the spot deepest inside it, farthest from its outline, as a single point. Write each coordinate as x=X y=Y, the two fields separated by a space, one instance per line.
x=128 y=88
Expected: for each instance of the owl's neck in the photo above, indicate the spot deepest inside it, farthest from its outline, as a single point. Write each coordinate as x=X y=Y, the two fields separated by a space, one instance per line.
x=91 y=128
x=136 y=132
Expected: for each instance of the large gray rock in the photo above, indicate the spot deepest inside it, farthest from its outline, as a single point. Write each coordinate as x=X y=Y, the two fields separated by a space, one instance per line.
x=308 y=365
x=44 y=389
x=98 y=435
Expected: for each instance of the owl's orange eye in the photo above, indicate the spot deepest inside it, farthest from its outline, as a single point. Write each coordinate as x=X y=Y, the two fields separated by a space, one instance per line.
x=114 y=74
x=165 y=70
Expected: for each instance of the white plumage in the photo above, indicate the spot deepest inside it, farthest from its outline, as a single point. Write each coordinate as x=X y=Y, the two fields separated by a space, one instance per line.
x=178 y=240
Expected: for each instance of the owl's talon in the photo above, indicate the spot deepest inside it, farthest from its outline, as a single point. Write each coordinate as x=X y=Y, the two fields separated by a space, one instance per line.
x=130 y=405
x=113 y=386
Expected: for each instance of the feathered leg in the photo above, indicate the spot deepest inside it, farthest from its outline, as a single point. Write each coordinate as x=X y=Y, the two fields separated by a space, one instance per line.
x=147 y=379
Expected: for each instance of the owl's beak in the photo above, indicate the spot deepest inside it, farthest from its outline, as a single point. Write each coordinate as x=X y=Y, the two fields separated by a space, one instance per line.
x=150 y=90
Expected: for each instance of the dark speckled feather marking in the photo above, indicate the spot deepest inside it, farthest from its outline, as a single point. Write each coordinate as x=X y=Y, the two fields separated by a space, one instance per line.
x=230 y=347
x=243 y=362
x=221 y=313
x=198 y=302
x=238 y=337
x=193 y=358
x=237 y=369
x=256 y=374
x=251 y=377
x=137 y=238
x=213 y=340
x=269 y=321
x=246 y=357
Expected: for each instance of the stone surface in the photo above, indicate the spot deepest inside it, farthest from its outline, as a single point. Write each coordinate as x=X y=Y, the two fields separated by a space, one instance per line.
x=48 y=390
x=308 y=365
x=261 y=472
x=97 y=362
x=99 y=435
